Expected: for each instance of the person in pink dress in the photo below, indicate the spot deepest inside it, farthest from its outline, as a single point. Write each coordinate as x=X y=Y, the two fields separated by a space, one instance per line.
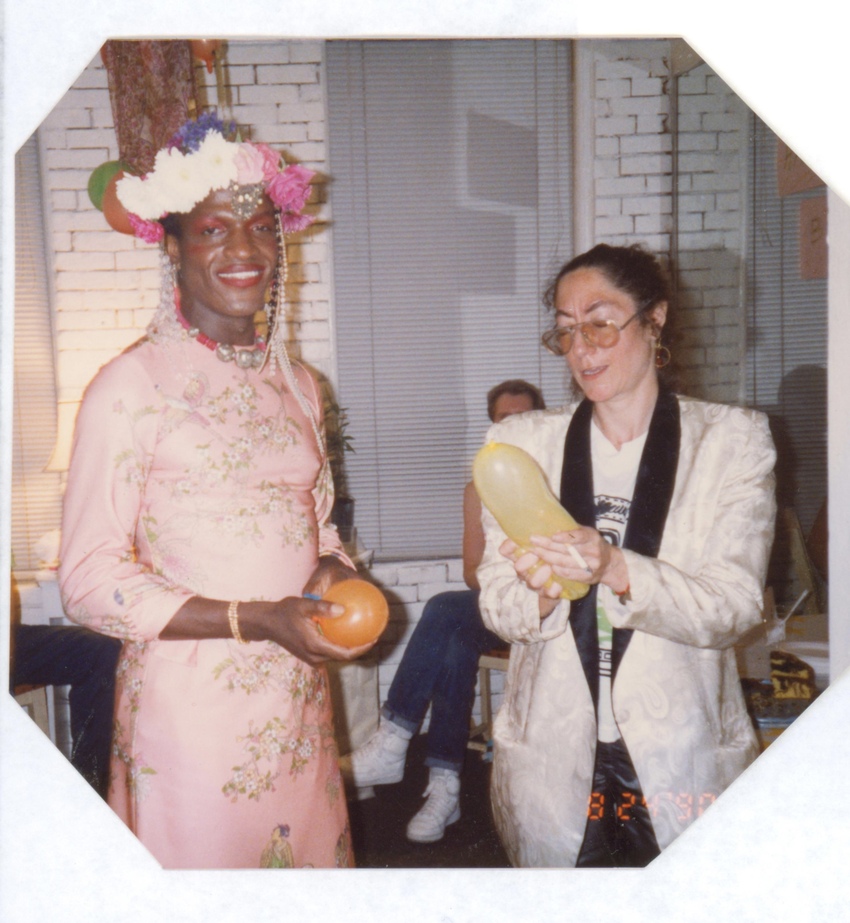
x=195 y=530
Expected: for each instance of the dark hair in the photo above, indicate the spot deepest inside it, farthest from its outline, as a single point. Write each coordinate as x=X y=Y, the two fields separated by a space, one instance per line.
x=515 y=387
x=633 y=270
x=171 y=224
x=638 y=273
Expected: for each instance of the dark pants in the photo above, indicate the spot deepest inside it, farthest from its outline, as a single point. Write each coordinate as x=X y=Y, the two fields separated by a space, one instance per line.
x=439 y=667
x=619 y=831
x=64 y=655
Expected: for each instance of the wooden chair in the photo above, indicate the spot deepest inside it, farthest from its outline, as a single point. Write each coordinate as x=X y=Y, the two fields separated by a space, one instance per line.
x=492 y=660
x=33 y=700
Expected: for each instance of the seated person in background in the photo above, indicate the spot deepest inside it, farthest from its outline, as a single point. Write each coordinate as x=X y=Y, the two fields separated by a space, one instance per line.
x=66 y=655
x=439 y=666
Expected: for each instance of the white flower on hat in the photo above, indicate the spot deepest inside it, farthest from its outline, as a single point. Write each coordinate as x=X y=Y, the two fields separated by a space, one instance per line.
x=179 y=181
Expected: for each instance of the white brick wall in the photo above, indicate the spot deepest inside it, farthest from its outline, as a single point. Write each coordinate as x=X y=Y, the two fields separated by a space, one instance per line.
x=633 y=165
x=711 y=186
x=635 y=199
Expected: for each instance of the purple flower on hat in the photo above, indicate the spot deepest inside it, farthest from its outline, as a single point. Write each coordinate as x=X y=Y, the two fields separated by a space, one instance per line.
x=190 y=135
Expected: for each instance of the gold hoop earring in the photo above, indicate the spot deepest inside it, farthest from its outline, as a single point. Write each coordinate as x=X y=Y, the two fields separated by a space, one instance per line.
x=662 y=356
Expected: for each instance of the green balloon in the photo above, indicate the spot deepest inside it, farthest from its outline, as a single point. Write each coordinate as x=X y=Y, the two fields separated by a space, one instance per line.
x=100 y=178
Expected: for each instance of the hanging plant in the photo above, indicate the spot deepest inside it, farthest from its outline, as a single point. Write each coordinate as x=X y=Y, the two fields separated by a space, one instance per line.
x=339 y=442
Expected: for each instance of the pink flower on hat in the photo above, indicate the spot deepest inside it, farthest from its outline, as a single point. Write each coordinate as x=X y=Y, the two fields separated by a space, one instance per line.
x=271 y=161
x=293 y=223
x=290 y=189
x=151 y=232
x=250 y=163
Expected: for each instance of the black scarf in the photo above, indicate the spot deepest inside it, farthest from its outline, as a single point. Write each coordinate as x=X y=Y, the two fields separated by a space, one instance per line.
x=656 y=479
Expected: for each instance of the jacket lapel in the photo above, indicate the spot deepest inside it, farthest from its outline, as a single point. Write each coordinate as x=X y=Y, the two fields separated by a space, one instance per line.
x=654 y=486
x=577 y=499
x=656 y=479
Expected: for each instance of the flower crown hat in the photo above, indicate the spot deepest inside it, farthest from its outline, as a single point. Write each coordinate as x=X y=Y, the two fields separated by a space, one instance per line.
x=203 y=156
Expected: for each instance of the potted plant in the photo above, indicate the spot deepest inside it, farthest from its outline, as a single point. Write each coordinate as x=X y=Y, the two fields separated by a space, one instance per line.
x=339 y=442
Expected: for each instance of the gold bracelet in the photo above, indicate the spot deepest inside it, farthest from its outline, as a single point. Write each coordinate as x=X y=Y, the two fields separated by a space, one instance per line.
x=233 y=618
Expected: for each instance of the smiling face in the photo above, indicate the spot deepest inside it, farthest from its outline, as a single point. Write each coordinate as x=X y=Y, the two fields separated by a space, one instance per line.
x=625 y=370
x=225 y=266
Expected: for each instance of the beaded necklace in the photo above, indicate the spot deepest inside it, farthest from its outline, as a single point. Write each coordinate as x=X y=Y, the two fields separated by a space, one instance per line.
x=245 y=357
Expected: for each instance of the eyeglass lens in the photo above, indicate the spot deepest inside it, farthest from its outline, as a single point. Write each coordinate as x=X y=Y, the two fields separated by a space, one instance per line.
x=595 y=334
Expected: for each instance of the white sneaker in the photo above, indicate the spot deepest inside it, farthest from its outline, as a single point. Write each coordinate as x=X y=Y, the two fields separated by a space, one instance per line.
x=380 y=761
x=441 y=809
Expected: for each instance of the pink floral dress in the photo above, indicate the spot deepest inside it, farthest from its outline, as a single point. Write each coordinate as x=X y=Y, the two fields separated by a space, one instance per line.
x=189 y=477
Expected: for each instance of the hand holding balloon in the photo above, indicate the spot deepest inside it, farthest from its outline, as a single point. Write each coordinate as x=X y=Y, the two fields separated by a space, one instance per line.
x=513 y=487
x=365 y=617
x=537 y=574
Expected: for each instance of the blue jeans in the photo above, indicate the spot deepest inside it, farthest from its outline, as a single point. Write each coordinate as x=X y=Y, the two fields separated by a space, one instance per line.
x=440 y=666
x=69 y=655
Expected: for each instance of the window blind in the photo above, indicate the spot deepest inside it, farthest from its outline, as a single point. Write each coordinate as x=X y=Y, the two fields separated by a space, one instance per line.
x=786 y=368
x=450 y=199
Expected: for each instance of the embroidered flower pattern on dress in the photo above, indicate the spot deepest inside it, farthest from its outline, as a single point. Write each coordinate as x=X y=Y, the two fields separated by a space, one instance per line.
x=271 y=669
x=118 y=626
x=268 y=747
x=174 y=567
x=261 y=433
x=138 y=773
x=135 y=467
x=267 y=434
x=168 y=559
x=129 y=673
x=135 y=470
x=274 y=743
x=299 y=532
x=343 y=853
x=227 y=462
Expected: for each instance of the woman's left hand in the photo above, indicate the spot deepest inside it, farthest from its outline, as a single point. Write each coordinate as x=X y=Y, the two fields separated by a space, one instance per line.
x=330 y=570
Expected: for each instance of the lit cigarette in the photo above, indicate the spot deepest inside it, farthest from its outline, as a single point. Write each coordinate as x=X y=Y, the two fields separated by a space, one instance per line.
x=578 y=559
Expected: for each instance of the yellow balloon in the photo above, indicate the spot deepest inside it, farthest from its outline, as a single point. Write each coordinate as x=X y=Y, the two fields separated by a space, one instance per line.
x=513 y=487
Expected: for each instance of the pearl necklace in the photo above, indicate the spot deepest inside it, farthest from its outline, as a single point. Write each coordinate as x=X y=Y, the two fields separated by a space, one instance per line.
x=246 y=357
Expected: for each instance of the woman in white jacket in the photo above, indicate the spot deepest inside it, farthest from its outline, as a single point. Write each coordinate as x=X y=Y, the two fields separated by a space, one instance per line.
x=623 y=717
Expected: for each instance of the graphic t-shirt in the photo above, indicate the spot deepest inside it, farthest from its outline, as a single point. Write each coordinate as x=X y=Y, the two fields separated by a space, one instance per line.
x=614 y=475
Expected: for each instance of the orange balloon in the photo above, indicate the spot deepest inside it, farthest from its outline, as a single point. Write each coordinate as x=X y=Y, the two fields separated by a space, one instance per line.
x=113 y=210
x=365 y=617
